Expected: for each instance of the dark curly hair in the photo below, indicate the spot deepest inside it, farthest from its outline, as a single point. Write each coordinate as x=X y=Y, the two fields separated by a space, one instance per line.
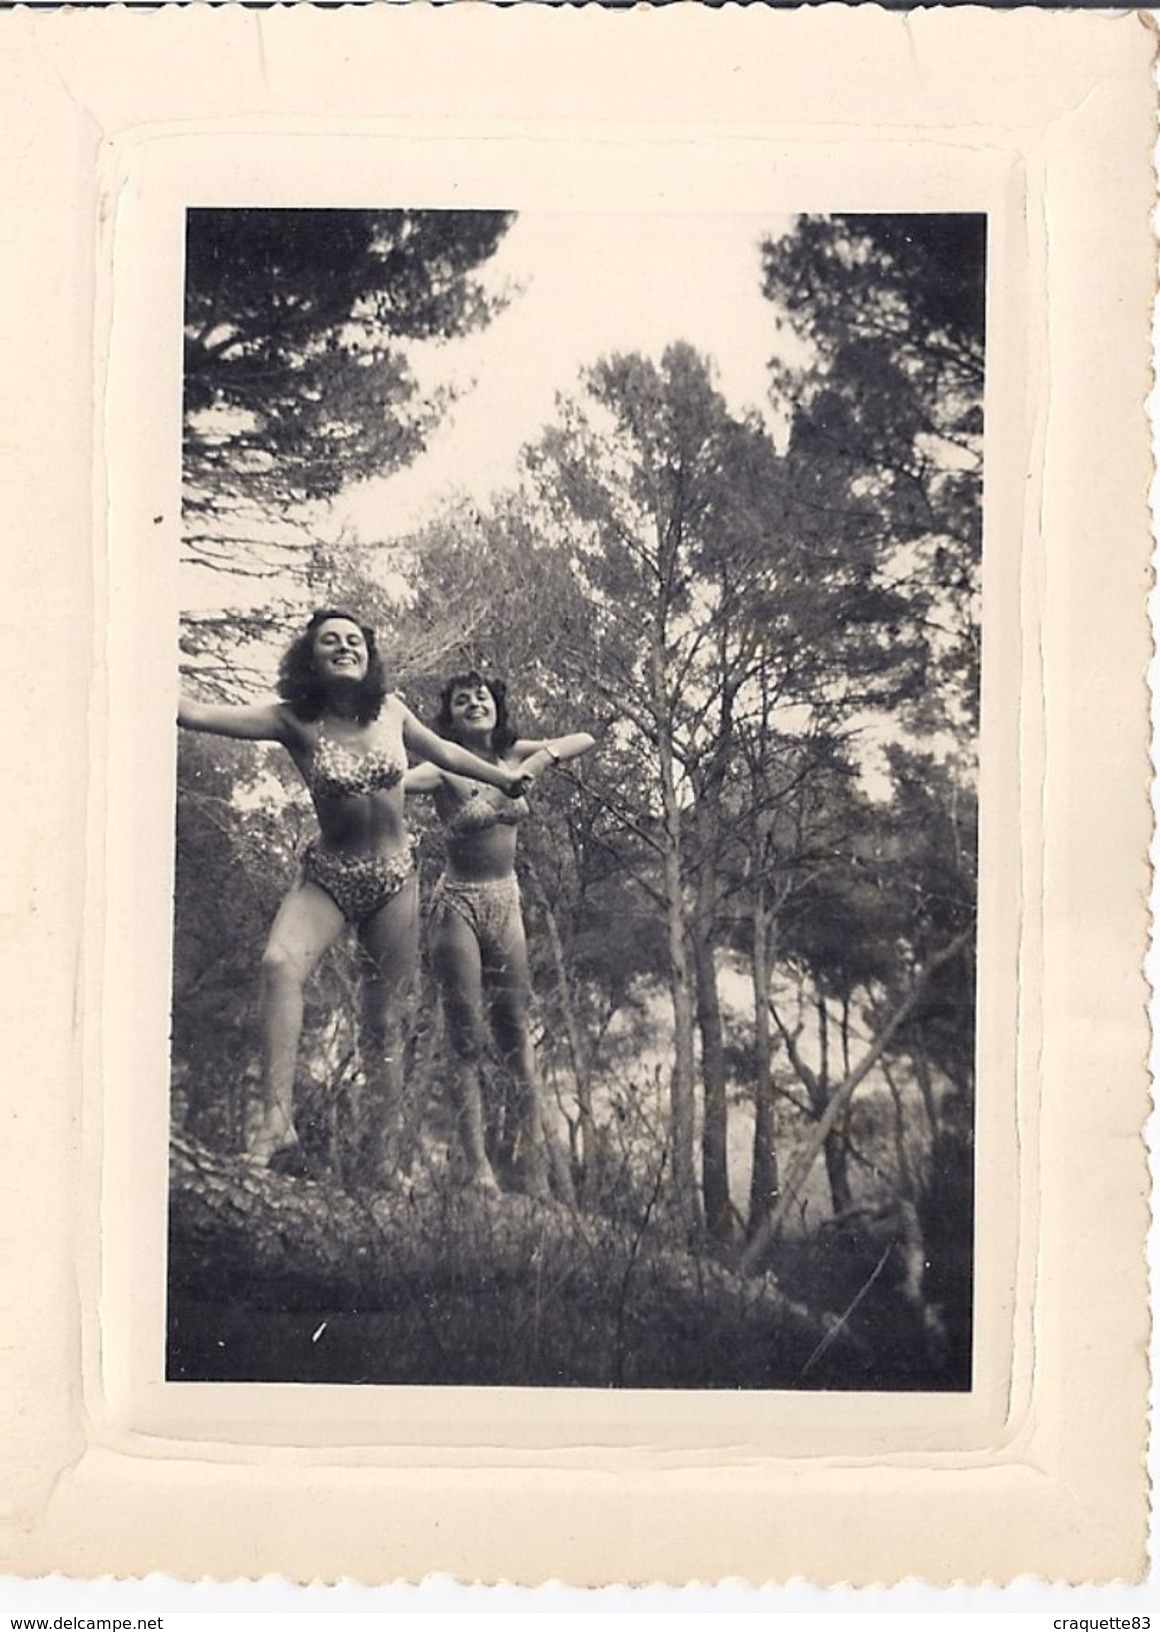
x=298 y=682
x=504 y=732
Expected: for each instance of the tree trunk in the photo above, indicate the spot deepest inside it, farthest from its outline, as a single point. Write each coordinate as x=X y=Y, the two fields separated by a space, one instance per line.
x=715 y=1124
x=901 y=1159
x=837 y=1171
x=577 y=1046
x=683 y=1077
x=680 y=985
x=926 y=1089
x=835 y=1143
x=763 y=1181
x=840 y=1098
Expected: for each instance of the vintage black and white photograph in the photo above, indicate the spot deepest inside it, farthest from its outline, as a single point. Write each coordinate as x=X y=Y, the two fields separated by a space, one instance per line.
x=574 y=933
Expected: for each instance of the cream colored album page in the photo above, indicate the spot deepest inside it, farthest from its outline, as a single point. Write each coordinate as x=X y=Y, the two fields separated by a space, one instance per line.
x=720 y=1153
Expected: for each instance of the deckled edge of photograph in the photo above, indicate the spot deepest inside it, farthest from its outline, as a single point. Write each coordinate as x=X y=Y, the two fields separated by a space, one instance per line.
x=1047 y=120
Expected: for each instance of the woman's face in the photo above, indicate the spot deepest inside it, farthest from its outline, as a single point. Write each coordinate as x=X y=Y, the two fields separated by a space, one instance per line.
x=473 y=710
x=340 y=650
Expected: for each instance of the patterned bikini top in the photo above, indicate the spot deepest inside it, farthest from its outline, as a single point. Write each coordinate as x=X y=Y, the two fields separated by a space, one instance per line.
x=479 y=812
x=340 y=773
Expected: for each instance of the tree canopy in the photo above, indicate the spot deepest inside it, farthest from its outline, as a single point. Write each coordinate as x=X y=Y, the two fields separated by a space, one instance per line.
x=298 y=324
x=886 y=441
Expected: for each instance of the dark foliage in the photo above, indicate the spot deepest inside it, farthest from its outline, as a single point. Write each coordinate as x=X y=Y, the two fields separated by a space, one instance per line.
x=297 y=375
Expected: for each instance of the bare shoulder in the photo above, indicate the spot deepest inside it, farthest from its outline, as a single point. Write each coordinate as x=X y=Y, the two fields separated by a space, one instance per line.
x=298 y=735
x=395 y=717
x=452 y=793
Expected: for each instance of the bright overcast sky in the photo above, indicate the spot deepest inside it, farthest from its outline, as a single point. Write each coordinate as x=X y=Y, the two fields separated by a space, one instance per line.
x=590 y=285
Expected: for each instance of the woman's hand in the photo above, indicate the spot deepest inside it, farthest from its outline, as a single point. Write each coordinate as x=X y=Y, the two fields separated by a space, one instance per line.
x=518 y=786
x=450 y=756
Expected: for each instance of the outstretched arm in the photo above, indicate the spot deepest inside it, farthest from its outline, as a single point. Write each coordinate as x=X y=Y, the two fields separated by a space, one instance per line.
x=536 y=756
x=427 y=744
x=253 y=722
x=425 y=778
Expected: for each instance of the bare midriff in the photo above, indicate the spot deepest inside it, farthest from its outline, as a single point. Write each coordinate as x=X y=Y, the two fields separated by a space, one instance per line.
x=488 y=853
x=363 y=824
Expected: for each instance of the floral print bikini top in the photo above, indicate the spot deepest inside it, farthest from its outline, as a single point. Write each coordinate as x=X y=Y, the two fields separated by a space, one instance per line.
x=479 y=811
x=338 y=772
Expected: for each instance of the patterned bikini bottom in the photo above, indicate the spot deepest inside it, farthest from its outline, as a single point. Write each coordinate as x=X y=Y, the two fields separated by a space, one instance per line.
x=490 y=907
x=358 y=885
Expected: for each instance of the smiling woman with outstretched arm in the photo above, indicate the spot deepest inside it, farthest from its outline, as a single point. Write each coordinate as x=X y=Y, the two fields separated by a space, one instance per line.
x=349 y=738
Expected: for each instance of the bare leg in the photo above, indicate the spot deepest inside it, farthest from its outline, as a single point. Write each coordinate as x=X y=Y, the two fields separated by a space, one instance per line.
x=509 y=989
x=390 y=944
x=455 y=959
x=307 y=925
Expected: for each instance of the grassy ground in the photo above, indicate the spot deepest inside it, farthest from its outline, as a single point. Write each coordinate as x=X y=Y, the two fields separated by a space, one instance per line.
x=474 y=1291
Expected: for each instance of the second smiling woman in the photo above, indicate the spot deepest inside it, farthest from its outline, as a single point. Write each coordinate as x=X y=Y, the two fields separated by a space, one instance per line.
x=477 y=942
